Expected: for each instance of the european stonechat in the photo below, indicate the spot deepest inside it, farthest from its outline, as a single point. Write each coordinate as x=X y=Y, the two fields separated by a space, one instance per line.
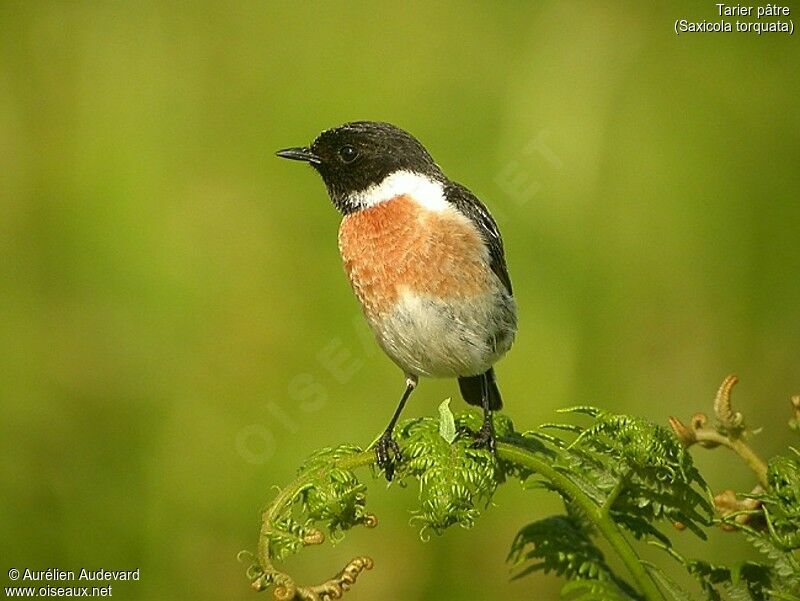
x=425 y=259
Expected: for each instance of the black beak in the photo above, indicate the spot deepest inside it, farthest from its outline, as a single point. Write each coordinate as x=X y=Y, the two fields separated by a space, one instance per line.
x=299 y=154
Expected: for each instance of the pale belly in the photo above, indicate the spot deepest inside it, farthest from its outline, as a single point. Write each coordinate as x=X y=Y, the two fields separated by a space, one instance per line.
x=441 y=339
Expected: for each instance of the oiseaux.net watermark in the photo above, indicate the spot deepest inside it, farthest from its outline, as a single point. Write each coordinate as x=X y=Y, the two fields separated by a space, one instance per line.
x=54 y=582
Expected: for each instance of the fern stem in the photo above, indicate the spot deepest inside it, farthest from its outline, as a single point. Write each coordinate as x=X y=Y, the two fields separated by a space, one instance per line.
x=597 y=515
x=612 y=496
x=738 y=446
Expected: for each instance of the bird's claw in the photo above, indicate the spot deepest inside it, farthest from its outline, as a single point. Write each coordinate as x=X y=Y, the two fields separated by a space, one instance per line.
x=484 y=438
x=387 y=454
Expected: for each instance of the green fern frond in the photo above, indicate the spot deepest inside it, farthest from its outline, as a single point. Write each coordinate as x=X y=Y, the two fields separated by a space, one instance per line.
x=620 y=477
x=456 y=481
x=558 y=544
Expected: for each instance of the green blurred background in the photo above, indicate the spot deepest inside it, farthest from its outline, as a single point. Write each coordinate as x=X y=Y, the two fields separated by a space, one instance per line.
x=177 y=333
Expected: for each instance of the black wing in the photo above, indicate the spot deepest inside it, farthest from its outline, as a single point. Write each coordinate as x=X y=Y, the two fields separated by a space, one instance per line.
x=466 y=202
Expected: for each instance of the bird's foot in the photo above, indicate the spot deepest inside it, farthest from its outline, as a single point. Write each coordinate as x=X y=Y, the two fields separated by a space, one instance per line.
x=388 y=455
x=484 y=438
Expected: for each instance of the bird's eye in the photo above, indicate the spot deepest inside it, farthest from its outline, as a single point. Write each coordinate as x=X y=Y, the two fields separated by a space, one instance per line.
x=348 y=154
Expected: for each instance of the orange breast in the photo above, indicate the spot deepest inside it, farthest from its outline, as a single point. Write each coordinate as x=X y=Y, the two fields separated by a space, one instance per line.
x=397 y=245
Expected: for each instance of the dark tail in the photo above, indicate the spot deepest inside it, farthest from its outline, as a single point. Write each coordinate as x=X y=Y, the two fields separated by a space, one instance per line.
x=471 y=390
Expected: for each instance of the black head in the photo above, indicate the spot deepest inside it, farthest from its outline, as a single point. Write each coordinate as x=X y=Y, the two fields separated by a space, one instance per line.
x=354 y=156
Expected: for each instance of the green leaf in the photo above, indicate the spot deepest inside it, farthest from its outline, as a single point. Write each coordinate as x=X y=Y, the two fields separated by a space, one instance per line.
x=447 y=423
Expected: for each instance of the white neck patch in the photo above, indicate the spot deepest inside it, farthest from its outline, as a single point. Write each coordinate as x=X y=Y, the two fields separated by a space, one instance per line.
x=427 y=192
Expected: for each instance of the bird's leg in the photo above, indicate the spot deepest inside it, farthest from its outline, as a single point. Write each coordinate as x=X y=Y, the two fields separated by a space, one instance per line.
x=387 y=451
x=485 y=436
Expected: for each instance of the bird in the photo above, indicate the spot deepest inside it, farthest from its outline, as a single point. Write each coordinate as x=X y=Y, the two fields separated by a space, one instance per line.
x=426 y=261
